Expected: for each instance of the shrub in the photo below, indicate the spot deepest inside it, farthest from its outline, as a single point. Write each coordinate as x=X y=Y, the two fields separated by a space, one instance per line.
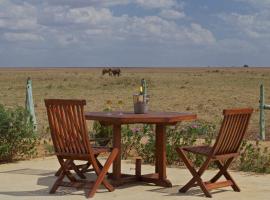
x=142 y=140
x=17 y=135
x=48 y=147
x=101 y=134
x=253 y=158
x=131 y=139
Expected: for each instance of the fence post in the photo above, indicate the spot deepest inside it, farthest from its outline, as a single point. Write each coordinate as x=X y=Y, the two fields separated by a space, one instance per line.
x=29 y=103
x=262 y=115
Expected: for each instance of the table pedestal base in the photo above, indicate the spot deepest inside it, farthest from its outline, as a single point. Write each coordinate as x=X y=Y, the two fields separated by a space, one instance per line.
x=148 y=178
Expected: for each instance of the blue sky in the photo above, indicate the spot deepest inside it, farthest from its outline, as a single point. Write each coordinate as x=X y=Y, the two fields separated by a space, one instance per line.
x=122 y=33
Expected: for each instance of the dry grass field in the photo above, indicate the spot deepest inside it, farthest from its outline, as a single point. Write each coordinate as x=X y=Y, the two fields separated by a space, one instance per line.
x=204 y=91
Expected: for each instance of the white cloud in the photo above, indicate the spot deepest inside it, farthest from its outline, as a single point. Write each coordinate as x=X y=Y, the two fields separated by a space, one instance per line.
x=18 y=24
x=172 y=14
x=17 y=17
x=66 y=25
x=199 y=35
x=61 y=15
x=66 y=39
x=156 y=3
x=14 y=37
x=150 y=27
x=257 y=3
x=89 y=15
x=76 y=3
x=153 y=28
x=235 y=46
x=53 y=25
x=256 y=25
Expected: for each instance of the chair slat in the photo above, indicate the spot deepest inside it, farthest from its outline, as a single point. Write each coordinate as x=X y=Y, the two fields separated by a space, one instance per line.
x=56 y=129
x=72 y=123
x=245 y=124
x=82 y=125
x=77 y=130
x=231 y=134
x=67 y=139
x=69 y=132
x=239 y=128
x=232 y=131
x=225 y=126
x=57 y=147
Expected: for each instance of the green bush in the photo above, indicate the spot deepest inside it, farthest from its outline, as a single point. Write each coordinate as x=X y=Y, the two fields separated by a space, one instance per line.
x=17 y=136
x=141 y=141
x=253 y=158
x=101 y=134
x=131 y=139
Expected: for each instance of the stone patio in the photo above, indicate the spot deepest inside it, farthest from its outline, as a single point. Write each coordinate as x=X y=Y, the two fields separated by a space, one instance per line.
x=32 y=180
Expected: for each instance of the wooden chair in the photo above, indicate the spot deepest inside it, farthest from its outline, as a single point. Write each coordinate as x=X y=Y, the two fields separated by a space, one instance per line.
x=222 y=153
x=71 y=142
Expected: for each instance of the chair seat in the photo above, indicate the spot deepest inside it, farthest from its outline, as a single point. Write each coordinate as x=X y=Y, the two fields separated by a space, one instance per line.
x=98 y=150
x=203 y=150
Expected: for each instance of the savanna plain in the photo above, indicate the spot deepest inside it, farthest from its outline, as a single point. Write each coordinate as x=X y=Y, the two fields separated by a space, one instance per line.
x=204 y=91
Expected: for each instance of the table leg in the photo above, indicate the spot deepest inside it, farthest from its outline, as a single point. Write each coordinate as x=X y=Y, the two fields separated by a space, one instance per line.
x=117 y=144
x=158 y=178
x=157 y=152
x=161 y=155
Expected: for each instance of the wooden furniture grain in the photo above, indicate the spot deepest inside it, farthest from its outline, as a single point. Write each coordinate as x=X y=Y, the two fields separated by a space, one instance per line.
x=223 y=152
x=160 y=119
x=71 y=142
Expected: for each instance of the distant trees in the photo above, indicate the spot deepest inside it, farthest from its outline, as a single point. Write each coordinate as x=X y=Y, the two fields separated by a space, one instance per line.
x=245 y=66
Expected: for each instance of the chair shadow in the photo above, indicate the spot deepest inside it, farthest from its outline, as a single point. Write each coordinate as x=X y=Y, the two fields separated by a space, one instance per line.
x=195 y=192
x=48 y=178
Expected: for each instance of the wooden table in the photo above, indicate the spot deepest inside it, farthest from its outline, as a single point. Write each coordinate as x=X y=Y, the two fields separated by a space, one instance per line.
x=161 y=119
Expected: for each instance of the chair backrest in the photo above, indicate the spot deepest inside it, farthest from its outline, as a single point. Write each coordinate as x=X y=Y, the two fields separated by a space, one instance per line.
x=68 y=126
x=232 y=131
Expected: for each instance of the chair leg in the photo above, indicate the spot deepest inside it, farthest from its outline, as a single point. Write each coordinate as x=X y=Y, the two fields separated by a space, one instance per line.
x=57 y=182
x=98 y=163
x=85 y=167
x=65 y=165
x=58 y=172
x=77 y=170
x=188 y=185
x=204 y=189
x=196 y=174
x=64 y=172
x=223 y=170
x=101 y=174
x=216 y=177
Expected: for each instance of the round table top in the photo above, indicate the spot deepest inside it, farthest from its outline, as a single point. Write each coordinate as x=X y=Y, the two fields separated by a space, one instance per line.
x=130 y=117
